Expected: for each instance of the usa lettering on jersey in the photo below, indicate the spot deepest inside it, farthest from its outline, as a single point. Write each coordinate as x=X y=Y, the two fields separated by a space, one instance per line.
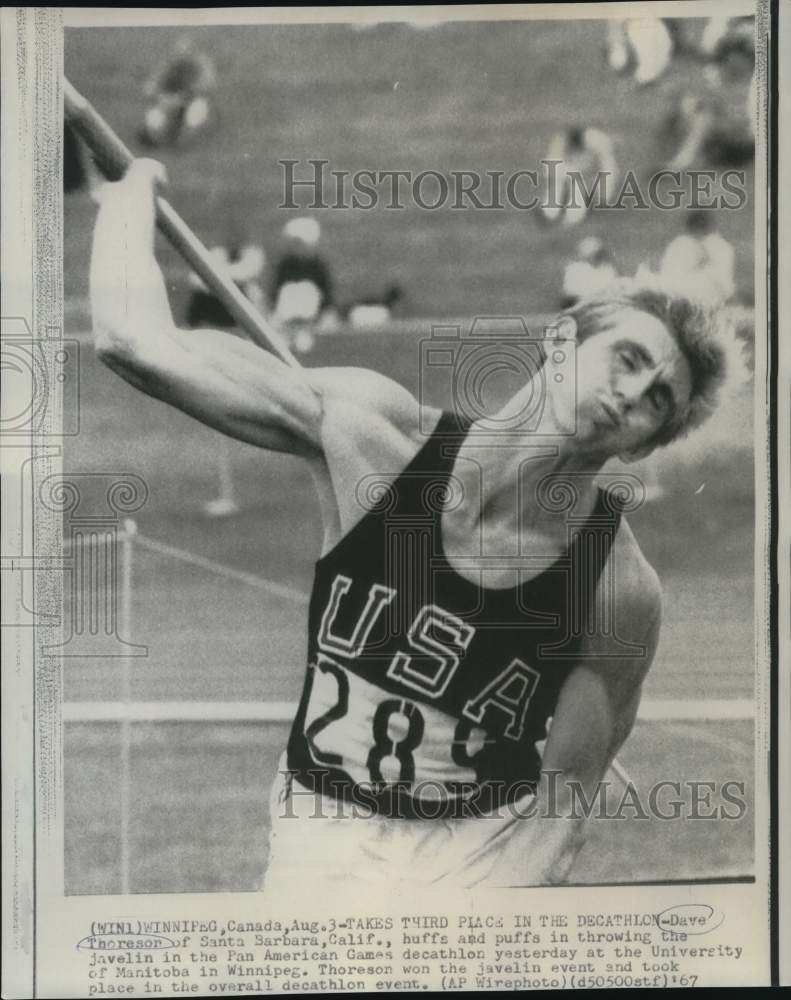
x=355 y=725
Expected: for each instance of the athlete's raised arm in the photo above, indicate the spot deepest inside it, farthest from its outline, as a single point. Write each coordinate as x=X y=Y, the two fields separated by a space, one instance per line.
x=223 y=381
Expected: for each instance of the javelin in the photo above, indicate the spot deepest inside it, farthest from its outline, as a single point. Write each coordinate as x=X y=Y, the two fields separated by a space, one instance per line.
x=113 y=157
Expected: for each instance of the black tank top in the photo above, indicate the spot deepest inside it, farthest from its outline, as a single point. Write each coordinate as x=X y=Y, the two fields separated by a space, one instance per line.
x=426 y=694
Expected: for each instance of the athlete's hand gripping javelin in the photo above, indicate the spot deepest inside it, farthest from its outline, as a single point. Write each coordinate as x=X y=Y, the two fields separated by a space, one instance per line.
x=114 y=159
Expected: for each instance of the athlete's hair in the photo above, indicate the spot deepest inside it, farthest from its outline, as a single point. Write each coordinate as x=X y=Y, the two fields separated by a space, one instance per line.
x=704 y=336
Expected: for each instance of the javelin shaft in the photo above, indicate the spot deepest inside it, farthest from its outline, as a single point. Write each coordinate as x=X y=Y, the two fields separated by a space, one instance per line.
x=113 y=157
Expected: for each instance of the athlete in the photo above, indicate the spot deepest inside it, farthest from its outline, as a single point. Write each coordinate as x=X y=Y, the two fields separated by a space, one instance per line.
x=180 y=95
x=475 y=581
x=574 y=157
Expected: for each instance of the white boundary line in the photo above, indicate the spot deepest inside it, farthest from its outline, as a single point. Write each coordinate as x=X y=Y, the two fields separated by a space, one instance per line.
x=725 y=743
x=696 y=711
x=179 y=711
x=128 y=533
x=284 y=711
x=229 y=572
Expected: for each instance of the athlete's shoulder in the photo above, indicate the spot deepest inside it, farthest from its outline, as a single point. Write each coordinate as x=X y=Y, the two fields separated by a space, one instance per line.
x=630 y=596
x=366 y=401
x=637 y=589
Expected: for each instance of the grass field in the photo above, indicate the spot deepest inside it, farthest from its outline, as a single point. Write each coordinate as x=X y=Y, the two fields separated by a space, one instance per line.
x=465 y=99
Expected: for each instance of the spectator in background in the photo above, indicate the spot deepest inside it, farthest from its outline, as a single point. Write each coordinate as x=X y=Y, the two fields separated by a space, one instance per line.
x=714 y=123
x=244 y=265
x=374 y=312
x=591 y=271
x=576 y=151
x=686 y=129
x=723 y=37
x=731 y=66
x=180 y=94
x=643 y=46
x=301 y=294
x=710 y=131
x=701 y=258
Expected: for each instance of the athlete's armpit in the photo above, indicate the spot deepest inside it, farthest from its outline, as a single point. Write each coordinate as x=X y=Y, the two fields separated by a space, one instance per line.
x=370 y=428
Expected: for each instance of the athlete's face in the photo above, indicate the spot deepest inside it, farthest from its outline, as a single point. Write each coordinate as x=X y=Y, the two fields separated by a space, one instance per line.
x=631 y=378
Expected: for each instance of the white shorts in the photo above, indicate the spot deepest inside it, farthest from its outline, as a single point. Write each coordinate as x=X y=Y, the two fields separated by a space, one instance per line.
x=318 y=840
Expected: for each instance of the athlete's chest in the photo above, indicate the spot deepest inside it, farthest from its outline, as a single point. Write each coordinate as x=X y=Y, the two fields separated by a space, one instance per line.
x=499 y=552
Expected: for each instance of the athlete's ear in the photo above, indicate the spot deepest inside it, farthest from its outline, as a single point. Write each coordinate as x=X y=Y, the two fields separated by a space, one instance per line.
x=566 y=328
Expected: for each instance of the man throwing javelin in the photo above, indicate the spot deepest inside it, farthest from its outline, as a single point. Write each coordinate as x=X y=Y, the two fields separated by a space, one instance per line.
x=475 y=583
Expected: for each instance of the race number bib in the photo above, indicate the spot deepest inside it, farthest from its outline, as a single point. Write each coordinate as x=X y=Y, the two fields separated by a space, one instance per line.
x=376 y=737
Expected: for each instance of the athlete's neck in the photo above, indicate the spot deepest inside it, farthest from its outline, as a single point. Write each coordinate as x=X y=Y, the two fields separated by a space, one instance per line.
x=510 y=460
x=511 y=471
